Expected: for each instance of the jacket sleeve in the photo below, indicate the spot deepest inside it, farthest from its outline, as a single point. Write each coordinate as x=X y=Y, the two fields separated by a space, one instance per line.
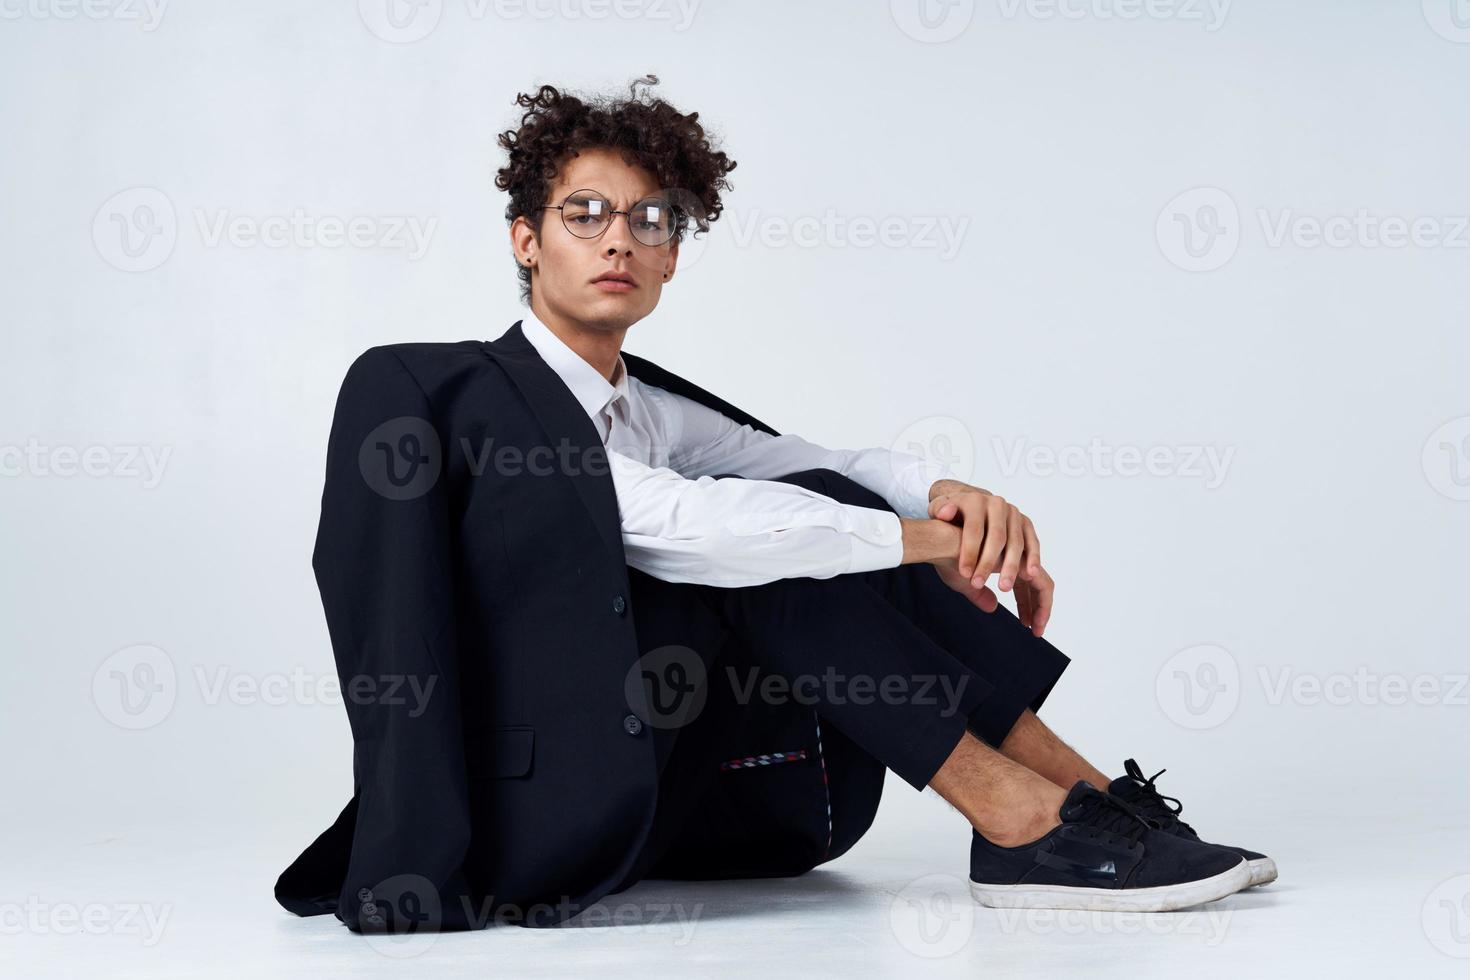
x=383 y=563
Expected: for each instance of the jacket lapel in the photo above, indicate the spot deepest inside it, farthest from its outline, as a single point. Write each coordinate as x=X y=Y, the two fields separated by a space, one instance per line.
x=565 y=423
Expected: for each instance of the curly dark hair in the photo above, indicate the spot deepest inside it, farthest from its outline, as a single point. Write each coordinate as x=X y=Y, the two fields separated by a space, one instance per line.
x=649 y=132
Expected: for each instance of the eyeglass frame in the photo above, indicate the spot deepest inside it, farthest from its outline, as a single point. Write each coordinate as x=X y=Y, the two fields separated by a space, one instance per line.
x=612 y=216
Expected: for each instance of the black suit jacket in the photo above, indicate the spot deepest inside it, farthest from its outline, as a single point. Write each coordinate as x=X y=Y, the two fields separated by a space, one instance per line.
x=471 y=568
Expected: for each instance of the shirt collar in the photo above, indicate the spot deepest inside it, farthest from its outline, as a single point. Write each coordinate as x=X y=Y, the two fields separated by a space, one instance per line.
x=587 y=384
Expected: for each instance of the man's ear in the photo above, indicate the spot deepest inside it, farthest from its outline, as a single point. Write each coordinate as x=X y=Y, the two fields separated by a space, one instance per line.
x=673 y=262
x=523 y=240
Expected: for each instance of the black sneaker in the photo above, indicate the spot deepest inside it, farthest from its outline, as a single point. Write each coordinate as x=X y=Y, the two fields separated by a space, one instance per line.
x=1107 y=857
x=1143 y=796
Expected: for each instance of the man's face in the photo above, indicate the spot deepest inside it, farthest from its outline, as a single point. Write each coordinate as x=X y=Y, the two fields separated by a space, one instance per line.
x=569 y=273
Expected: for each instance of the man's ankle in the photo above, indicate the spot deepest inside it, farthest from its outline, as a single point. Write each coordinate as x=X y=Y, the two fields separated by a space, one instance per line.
x=1015 y=829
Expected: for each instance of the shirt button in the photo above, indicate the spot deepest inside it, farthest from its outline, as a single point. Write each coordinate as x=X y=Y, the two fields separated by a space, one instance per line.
x=620 y=605
x=632 y=724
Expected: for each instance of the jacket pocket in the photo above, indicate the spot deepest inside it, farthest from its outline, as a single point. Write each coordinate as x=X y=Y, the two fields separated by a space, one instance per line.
x=500 y=753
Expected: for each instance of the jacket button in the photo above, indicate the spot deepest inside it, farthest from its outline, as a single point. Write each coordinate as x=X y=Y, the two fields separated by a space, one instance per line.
x=632 y=724
x=364 y=895
x=620 y=604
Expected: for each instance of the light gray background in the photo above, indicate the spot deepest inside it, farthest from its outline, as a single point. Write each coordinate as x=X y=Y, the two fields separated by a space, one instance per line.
x=1068 y=152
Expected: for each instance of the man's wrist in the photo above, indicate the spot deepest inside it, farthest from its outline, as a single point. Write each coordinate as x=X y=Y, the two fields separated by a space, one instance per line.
x=945 y=487
x=929 y=540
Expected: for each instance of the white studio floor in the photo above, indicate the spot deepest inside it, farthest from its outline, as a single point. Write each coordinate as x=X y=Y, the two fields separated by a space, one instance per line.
x=895 y=906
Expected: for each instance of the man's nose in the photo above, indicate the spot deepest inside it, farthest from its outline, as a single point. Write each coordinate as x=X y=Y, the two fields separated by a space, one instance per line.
x=619 y=236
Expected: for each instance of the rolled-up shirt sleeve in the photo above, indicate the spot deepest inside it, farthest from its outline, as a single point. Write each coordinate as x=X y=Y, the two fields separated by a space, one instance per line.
x=704 y=441
x=741 y=532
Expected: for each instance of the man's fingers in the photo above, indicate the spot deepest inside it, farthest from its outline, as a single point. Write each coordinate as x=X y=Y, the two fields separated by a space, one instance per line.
x=972 y=536
x=1010 y=565
x=1045 y=590
x=995 y=539
x=986 y=599
x=943 y=509
x=1023 y=603
x=1033 y=548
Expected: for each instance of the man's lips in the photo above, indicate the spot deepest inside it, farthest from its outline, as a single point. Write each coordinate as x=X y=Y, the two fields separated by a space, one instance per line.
x=615 y=282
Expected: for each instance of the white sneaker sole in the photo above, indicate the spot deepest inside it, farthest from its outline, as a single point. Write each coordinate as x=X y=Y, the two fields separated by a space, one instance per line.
x=1161 y=898
x=1263 y=872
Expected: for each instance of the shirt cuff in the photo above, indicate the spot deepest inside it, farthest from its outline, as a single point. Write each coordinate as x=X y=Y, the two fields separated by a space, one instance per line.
x=877 y=540
x=914 y=483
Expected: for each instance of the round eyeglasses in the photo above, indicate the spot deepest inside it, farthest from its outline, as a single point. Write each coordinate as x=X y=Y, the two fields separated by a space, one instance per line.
x=587 y=214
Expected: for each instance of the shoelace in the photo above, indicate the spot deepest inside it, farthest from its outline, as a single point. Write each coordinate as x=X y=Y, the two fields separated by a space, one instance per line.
x=1106 y=815
x=1154 y=805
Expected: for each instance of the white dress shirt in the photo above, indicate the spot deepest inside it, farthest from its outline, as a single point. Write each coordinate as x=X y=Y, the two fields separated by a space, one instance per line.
x=680 y=524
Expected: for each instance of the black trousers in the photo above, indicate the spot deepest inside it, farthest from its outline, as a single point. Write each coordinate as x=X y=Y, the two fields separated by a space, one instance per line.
x=894 y=660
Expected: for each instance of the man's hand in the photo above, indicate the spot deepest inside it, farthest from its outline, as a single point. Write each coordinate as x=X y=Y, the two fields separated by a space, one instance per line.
x=995 y=538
